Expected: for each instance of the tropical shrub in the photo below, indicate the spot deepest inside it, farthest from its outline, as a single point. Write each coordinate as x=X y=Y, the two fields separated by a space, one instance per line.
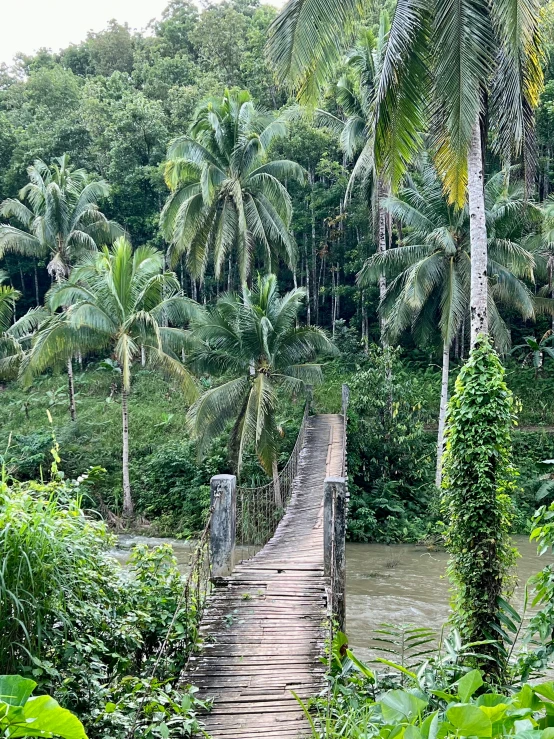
x=86 y=630
x=478 y=480
x=459 y=704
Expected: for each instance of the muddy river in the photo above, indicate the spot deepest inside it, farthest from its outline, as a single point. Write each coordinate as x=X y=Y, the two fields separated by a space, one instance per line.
x=398 y=584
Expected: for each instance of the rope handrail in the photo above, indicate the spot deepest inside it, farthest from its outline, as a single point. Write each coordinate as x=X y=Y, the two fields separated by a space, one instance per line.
x=258 y=509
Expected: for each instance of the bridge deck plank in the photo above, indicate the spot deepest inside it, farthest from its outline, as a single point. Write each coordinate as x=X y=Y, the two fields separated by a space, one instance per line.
x=263 y=627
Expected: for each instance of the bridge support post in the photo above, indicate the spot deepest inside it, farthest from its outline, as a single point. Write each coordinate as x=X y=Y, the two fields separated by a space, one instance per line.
x=223 y=495
x=334 y=544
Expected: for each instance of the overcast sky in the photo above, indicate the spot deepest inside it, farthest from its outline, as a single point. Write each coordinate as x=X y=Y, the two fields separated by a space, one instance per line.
x=27 y=25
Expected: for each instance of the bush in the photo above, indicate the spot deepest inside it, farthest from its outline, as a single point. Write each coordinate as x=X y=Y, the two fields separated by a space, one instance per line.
x=85 y=629
x=478 y=481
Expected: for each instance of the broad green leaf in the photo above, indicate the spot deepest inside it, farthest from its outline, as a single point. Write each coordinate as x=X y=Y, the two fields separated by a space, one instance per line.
x=492 y=699
x=412 y=732
x=45 y=717
x=430 y=726
x=546 y=690
x=397 y=705
x=495 y=713
x=469 y=720
x=468 y=684
x=15 y=690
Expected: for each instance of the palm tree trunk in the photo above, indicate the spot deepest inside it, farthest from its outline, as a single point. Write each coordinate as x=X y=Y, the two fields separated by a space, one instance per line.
x=381 y=249
x=37 y=297
x=442 y=412
x=127 y=499
x=142 y=356
x=276 y=485
x=478 y=236
x=71 y=385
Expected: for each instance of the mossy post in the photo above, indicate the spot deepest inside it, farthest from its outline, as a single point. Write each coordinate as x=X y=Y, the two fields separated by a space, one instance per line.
x=478 y=477
x=223 y=489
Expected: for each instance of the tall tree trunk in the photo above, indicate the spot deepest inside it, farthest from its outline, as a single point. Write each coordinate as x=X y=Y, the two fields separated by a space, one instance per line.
x=37 y=296
x=308 y=308
x=276 y=485
x=478 y=236
x=71 y=385
x=381 y=249
x=142 y=356
x=314 y=259
x=127 y=499
x=442 y=412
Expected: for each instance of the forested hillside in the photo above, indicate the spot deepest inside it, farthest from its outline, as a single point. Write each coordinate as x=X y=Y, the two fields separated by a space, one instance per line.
x=116 y=110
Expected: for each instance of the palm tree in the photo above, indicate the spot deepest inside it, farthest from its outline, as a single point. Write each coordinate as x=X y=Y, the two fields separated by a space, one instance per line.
x=431 y=269
x=226 y=195
x=60 y=222
x=448 y=65
x=123 y=301
x=254 y=342
x=61 y=219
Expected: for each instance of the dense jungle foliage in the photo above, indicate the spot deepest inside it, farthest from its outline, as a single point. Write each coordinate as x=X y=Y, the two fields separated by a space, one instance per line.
x=208 y=222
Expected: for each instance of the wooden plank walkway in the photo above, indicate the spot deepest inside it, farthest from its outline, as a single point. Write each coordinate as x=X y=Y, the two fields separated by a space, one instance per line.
x=263 y=629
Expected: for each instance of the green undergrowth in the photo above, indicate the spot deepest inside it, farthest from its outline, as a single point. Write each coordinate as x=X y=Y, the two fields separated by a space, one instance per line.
x=169 y=484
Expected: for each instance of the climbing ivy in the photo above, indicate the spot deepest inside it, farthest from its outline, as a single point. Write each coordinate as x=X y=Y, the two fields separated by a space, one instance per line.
x=478 y=480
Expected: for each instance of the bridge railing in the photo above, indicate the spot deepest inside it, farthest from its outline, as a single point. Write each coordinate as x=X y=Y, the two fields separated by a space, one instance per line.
x=248 y=517
x=260 y=509
x=335 y=512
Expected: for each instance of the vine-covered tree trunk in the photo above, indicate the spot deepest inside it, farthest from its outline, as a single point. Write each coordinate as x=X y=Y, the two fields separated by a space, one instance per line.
x=71 y=386
x=478 y=481
x=478 y=236
x=127 y=499
x=442 y=412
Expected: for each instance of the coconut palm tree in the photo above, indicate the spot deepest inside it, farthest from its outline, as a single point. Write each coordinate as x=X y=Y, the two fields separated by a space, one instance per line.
x=58 y=215
x=59 y=219
x=226 y=195
x=430 y=271
x=254 y=343
x=448 y=65
x=121 y=301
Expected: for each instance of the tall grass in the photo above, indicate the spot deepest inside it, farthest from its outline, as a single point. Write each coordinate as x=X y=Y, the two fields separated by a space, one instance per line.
x=49 y=552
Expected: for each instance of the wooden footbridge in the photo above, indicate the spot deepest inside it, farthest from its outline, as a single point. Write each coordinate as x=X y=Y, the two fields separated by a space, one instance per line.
x=264 y=625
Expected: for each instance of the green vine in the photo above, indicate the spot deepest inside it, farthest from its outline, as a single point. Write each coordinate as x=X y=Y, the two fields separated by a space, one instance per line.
x=478 y=481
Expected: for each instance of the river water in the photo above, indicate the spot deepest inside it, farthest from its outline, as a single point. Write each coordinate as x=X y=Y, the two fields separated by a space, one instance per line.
x=398 y=584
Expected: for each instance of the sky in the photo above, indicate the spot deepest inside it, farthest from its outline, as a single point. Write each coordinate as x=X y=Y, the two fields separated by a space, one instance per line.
x=28 y=25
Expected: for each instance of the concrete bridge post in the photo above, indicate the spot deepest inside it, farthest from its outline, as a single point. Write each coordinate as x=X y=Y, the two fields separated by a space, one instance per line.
x=223 y=496
x=334 y=544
